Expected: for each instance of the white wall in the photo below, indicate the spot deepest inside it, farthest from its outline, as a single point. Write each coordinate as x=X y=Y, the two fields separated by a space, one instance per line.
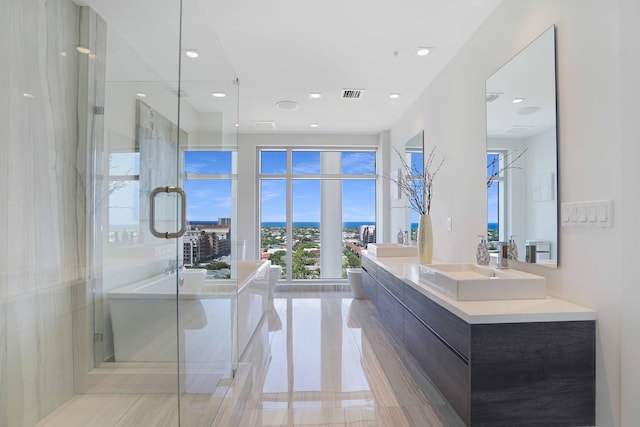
x=629 y=207
x=597 y=134
x=541 y=161
x=248 y=188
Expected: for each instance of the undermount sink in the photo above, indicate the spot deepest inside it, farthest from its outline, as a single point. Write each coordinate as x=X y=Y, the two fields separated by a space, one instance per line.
x=470 y=282
x=391 y=249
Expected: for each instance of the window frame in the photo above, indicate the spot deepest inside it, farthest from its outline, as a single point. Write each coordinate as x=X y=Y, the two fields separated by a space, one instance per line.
x=289 y=177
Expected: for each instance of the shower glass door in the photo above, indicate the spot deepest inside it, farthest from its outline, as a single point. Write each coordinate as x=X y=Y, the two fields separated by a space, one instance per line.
x=163 y=289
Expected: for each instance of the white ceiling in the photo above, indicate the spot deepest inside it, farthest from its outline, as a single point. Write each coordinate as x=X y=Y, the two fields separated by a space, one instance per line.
x=285 y=49
x=529 y=75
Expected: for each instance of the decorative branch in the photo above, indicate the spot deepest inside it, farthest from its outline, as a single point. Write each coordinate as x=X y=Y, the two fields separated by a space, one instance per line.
x=494 y=170
x=417 y=185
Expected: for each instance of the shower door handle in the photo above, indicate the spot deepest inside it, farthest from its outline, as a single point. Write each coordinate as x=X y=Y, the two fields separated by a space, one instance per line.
x=183 y=212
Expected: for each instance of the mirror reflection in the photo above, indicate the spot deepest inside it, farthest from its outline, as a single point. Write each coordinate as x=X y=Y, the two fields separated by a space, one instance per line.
x=522 y=202
x=414 y=156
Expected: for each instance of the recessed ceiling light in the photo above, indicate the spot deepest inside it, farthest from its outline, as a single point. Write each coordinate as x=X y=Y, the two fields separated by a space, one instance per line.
x=313 y=125
x=83 y=50
x=28 y=95
x=394 y=95
x=423 y=51
x=315 y=95
x=525 y=111
x=141 y=94
x=287 y=105
x=219 y=94
x=63 y=53
x=237 y=125
x=518 y=100
x=192 y=53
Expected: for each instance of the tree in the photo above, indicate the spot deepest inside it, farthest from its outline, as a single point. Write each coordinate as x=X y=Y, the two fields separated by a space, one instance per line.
x=278 y=258
x=217 y=265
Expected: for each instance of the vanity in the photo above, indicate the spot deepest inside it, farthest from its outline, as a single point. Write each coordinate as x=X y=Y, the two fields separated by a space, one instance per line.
x=518 y=362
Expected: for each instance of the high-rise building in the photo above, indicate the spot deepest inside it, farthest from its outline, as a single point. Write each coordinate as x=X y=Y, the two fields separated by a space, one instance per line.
x=368 y=233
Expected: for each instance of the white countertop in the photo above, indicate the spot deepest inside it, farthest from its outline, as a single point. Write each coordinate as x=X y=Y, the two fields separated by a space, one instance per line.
x=483 y=312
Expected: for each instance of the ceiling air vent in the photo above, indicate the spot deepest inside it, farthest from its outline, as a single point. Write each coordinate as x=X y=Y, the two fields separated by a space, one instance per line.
x=264 y=125
x=490 y=97
x=351 y=93
x=182 y=93
x=517 y=130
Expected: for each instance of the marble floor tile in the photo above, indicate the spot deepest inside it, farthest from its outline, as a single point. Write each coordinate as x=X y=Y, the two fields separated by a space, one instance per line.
x=98 y=410
x=330 y=363
x=333 y=364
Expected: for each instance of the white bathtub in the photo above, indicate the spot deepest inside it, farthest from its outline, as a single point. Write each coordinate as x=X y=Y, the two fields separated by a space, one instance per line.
x=143 y=315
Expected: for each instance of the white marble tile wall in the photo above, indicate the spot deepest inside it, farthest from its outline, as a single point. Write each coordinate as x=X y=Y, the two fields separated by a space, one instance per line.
x=41 y=206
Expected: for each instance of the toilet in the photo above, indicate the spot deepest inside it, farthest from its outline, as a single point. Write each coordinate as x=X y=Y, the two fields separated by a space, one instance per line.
x=355 y=281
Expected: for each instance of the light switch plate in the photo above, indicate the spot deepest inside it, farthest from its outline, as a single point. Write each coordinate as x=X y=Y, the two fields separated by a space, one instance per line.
x=596 y=214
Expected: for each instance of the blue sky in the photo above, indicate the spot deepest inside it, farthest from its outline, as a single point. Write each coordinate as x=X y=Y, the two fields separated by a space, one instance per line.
x=358 y=197
x=208 y=200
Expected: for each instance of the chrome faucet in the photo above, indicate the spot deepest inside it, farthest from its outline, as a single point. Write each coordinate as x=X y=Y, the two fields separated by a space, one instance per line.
x=503 y=255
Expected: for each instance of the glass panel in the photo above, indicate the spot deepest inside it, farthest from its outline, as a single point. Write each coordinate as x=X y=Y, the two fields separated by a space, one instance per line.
x=209 y=331
x=273 y=230
x=493 y=214
x=207 y=162
x=306 y=250
x=358 y=163
x=124 y=164
x=273 y=162
x=305 y=162
x=359 y=220
x=137 y=142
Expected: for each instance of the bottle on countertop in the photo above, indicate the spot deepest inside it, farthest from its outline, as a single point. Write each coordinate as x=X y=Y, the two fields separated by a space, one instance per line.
x=513 y=249
x=400 y=236
x=482 y=253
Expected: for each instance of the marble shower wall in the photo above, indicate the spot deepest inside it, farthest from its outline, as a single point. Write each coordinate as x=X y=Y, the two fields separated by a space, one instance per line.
x=43 y=177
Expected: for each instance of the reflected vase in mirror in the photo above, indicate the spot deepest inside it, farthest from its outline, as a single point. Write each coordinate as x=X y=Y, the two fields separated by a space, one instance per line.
x=425 y=239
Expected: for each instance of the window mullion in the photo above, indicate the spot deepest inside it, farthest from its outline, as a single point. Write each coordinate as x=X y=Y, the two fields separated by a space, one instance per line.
x=289 y=230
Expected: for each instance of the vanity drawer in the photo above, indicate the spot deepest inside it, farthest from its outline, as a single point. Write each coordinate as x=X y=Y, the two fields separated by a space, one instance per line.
x=369 y=285
x=449 y=327
x=391 y=312
x=447 y=371
x=389 y=281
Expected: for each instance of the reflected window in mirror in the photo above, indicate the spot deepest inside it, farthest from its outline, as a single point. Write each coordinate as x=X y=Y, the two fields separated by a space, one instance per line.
x=416 y=160
x=495 y=198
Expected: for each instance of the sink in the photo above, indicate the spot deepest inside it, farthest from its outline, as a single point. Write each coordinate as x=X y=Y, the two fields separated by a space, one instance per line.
x=391 y=249
x=470 y=282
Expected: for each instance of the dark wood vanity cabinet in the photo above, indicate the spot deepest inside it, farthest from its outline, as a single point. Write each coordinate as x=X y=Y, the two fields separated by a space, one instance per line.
x=502 y=374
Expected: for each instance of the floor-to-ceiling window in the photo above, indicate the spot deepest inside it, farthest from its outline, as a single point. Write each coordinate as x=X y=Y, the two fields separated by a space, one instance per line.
x=317 y=209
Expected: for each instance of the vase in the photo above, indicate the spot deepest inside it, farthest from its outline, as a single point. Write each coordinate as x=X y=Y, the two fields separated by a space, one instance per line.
x=425 y=239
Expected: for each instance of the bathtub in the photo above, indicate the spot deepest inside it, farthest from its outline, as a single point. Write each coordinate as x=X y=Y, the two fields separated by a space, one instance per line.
x=143 y=315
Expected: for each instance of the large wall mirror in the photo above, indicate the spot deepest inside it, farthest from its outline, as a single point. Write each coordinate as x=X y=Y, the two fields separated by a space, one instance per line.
x=522 y=184
x=414 y=156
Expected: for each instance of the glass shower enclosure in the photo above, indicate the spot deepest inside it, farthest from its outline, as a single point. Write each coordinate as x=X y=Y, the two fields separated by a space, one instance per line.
x=162 y=290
